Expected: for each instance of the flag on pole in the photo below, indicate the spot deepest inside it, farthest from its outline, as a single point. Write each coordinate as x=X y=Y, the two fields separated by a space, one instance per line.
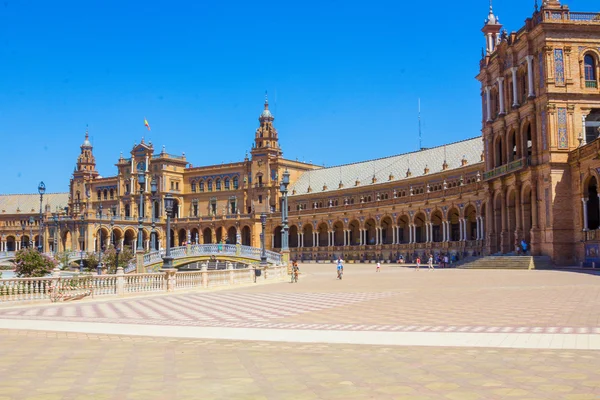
x=146 y=124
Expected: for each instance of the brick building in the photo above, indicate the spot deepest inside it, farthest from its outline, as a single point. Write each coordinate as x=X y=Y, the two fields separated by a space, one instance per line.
x=532 y=175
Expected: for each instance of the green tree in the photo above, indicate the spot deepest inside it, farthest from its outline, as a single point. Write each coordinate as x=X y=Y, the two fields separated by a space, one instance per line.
x=29 y=263
x=109 y=258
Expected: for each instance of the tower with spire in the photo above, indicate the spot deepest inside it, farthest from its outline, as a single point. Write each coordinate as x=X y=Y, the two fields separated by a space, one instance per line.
x=86 y=162
x=491 y=31
x=265 y=138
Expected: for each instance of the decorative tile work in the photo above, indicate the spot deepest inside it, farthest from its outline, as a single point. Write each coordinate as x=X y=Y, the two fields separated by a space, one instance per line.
x=559 y=67
x=563 y=140
x=544 y=128
x=541 y=62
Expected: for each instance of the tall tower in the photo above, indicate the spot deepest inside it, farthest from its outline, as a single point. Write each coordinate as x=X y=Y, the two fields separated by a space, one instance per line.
x=266 y=140
x=86 y=162
x=491 y=31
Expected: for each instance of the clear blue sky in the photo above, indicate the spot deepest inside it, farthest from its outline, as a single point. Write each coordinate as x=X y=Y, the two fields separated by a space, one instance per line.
x=343 y=78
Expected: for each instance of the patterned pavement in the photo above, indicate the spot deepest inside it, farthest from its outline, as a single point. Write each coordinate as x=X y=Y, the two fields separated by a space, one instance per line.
x=56 y=365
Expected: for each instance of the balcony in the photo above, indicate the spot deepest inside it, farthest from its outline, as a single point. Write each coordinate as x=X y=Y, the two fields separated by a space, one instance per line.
x=505 y=169
x=591 y=84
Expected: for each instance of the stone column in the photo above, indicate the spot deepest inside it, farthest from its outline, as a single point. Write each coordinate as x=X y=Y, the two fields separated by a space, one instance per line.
x=530 y=76
x=534 y=208
x=461 y=230
x=584 y=200
x=501 y=94
x=514 y=85
x=487 y=103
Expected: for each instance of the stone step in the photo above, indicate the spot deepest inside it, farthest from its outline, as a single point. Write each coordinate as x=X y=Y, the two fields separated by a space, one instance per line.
x=509 y=262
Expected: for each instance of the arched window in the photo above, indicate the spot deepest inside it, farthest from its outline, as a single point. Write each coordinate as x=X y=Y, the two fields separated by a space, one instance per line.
x=201 y=184
x=105 y=194
x=209 y=185
x=218 y=184
x=589 y=66
x=235 y=182
x=112 y=194
x=193 y=187
x=99 y=195
x=226 y=183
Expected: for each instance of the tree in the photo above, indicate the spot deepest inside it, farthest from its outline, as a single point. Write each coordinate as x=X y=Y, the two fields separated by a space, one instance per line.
x=109 y=257
x=29 y=263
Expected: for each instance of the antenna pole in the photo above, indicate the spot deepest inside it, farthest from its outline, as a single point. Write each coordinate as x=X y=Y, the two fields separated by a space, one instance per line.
x=420 y=137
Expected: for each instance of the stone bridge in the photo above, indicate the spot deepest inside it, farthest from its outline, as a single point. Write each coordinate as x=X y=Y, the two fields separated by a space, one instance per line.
x=199 y=252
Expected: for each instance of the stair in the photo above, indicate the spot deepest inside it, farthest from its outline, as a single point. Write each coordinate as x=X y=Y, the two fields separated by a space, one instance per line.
x=509 y=262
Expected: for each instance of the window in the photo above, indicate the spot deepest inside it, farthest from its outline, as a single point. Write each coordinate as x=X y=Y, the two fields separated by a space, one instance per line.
x=218 y=184
x=202 y=186
x=99 y=195
x=260 y=199
x=176 y=185
x=213 y=207
x=195 y=209
x=105 y=194
x=589 y=66
x=193 y=187
x=226 y=183
x=235 y=182
x=209 y=185
x=127 y=210
x=524 y=88
x=127 y=188
x=112 y=194
x=172 y=186
x=232 y=206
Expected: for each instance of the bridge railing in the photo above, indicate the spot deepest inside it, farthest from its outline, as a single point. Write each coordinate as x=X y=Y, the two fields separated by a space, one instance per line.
x=213 y=249
x=7 y=254
x=61 y=288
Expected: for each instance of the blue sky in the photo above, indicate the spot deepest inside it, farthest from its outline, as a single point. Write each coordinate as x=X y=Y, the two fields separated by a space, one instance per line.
x=343 y=78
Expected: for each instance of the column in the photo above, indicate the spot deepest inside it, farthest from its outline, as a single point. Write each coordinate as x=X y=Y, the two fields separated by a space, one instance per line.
x=482 y=228
x=465 y=238
x=514 y=85
x=585 y=213
x=427 y=238
x=490 y=43
x=410 y=233
x=299 y=242
x=487 y=103
x=534 y=207
x=478 y=228
x=461 y=230
x=448 y=238
x=530 y=76
x=501 y=94
x=393 y=235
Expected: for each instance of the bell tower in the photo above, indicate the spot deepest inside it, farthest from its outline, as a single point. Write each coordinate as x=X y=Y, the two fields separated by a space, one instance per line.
x=266 y=140
x=86 y=162
x=491 y=31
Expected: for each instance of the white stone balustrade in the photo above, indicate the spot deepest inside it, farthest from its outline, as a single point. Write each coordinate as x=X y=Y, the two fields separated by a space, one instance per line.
x=233 y=250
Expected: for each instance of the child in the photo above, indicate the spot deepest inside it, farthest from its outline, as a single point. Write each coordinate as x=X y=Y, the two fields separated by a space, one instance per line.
x=418 y=263
x=378 y=266
x=430 y=262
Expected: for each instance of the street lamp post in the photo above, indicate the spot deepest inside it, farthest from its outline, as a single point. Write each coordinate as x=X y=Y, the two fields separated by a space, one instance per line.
x=285 y=250
x=41 y=191
x=23 y=225
x=263 y=253
x=167 y=259
x=99 y=267
x=153 y=189
x=117 y=251
x=82 y=240
x=31 y=222
x=141 y=181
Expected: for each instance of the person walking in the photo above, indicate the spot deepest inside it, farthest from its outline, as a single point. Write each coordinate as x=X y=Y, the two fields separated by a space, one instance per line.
x=340 y=269
x=418 y=263
x=430 y=262
x=378 y=266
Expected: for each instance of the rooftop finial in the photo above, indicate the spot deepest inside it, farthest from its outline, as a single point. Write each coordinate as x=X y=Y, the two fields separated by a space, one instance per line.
x=536 y=5
x=266 y=100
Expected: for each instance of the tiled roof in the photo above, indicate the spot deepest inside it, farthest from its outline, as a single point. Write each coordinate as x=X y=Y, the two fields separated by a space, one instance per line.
x=25 y=203
x=397 y=166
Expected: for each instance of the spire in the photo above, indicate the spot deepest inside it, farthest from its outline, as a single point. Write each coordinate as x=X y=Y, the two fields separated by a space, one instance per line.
x=492 y=19
x=266 y=114
x=86 y=142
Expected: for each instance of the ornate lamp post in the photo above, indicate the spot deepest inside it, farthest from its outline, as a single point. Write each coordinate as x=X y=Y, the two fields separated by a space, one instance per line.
x=153 y=190
x=112 y=225
x=285 y=250
x=117 y=251
x=167 y=259
x=140 y=241
x=31 y=222
x=99 y=267
x=23 y=225
x=263 y=253
x=82 y=240
x=41 y=191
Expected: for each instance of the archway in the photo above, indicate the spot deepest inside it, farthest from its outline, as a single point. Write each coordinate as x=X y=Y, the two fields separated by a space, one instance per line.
x=513 y=148
x=420 y=234
x=246 y=236
x=354 y=233
x=195 y=235
x=338 y=234
x=526 y=211
x=322 y=235
x=220 y=234
x=526 y=141
x=403 y=232
x=293 y=237
x=102 y=239
x=25 y=241
x=387 y=235
x=436 y=221
x=307 y=232
x=156 y=210
x=207 y=236
x=593 y=219
x=498 y=159
x=157 y=239
x=471 y=222
x=370 y=232
x=453 y=220
x=117 y=235
x=497 y=223
x=129 y=238
x=232 y=235
x=182 y=237
x=277 y=237
x=11 y=243
x=66 y=239
x=512 y=219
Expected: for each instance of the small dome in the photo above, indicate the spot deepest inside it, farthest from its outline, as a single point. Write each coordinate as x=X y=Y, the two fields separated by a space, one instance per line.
x=266 y=114
x=86 y=142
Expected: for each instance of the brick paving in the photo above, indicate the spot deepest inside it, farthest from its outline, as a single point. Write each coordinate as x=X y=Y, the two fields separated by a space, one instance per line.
x=56 y=365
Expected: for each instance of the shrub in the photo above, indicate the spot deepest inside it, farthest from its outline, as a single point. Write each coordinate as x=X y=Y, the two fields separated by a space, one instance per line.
x=29 y=263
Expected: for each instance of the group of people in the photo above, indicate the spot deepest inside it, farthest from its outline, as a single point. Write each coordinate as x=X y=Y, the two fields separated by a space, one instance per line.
x=429 y=262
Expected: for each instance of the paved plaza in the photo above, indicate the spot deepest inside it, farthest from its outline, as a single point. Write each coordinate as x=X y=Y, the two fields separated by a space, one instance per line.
x=396 y=334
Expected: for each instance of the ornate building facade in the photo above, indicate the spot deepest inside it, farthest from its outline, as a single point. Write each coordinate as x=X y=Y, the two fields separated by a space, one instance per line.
x=532 y=175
